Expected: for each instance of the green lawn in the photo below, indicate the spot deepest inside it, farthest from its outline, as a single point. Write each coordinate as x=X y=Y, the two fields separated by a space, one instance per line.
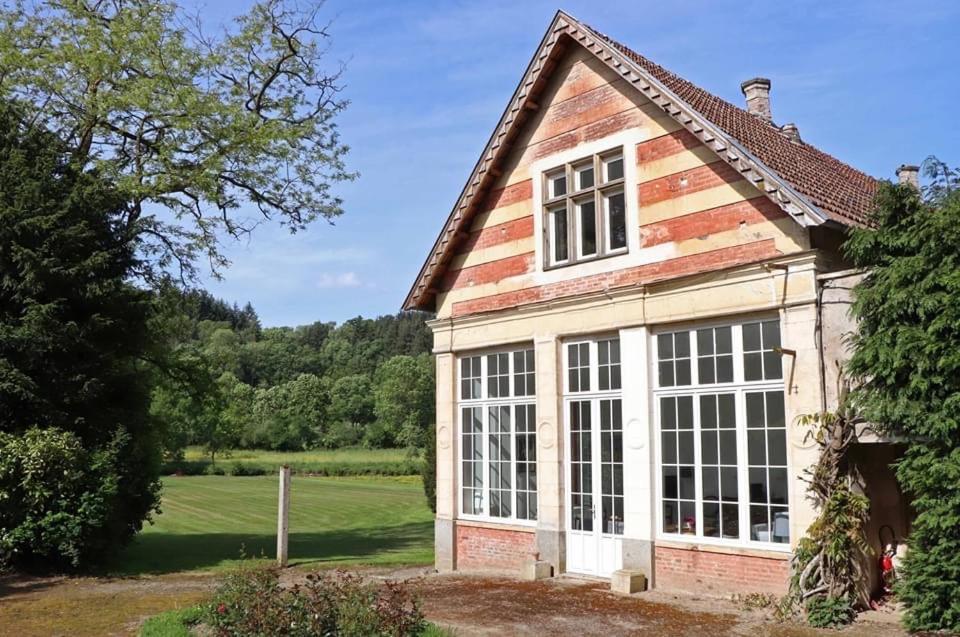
x=209 y=521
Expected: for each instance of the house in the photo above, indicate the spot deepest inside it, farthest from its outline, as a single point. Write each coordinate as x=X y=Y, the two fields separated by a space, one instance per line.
x=627 y=327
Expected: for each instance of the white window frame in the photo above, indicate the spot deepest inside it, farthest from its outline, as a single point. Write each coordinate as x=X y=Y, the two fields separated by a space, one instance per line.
x=633 y=255
x=739 y=388
x=485 y=402
x=594 y=394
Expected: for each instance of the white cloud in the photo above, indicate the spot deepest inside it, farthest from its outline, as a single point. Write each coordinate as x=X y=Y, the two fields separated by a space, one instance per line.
x=339 y=280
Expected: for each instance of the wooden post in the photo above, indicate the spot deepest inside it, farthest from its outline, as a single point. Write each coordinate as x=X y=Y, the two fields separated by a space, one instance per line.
x=283 y=516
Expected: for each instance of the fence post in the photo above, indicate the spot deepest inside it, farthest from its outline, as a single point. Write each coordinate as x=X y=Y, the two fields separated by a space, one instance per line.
x=283 y=516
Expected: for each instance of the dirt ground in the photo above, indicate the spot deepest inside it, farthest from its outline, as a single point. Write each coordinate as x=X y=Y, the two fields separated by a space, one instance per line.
x=486 y=606
x=471 y=605
x=88 y=607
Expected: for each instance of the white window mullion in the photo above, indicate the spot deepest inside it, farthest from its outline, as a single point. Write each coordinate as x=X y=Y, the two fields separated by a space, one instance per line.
x=743 y=474
x=697 y=462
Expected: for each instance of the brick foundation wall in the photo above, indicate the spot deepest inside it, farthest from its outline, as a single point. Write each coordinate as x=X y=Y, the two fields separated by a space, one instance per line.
x=486 y=548
x=719 y=573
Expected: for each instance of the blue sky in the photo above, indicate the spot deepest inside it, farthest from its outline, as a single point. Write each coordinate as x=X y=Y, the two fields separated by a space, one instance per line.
x=873 y=83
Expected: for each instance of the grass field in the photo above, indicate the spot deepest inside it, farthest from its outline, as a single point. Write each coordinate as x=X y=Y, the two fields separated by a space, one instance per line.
x=208 y=522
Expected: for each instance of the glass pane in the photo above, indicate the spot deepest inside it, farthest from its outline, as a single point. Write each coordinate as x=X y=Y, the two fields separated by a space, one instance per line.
x=724 y=340
x=681 y=344
x=683 y=372
x=711 y=483
x=708 y=447
x=731 y=520
x=726 y=406
x=708 y=412
x=725 y=369
x=665 y=346
x=781 y=525
x=685 y=412
x=588 y=228
x=705 y=370
x=772 y=365
x=685 y=447
x=687 y=483
x=728 y=447
x=752 y=367
x=558 y=185
x=728 y=484
x=668 y=451
x=670 y=488
x=751 y=337
x=688 y=518
x=711 y=520
x=670 y=516
x=756 y=453
x=559 y=238
x=771 y=334
x=705 y=342
x=755 y=410
x=777 y=447
x=617 y=221
x=778 y=486
x=758 y=485
x=585 y=177
x=666 y=374
x=614 y=168
x=668 y=415
x=775 y=417
x=759 y=524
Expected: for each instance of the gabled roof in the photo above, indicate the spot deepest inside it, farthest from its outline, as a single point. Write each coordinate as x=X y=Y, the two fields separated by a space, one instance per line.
x=808 y=184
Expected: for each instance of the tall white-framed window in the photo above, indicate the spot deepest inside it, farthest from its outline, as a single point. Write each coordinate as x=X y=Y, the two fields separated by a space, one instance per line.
x=718 y=403
x=594 y=415
x=498 y=451
x=584 y=208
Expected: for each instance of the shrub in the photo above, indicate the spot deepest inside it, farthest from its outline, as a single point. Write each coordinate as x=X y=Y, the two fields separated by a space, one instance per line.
x=250 y=601
x=241 y=469
x=214 y=470
x=829 y=612
x=428 y=470
x=57 y=499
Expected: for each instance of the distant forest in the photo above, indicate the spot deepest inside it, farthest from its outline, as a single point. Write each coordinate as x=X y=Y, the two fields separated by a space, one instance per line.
x=231 y=383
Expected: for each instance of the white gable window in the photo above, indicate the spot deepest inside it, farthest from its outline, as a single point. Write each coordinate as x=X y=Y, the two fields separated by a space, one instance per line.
x=722 y=448
x=584 y=209
x=498 y=450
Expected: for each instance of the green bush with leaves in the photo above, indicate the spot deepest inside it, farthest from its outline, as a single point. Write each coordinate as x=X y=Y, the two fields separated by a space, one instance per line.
x=251 y=602
x=57 y=499
x=829 y=612
x=906 y=368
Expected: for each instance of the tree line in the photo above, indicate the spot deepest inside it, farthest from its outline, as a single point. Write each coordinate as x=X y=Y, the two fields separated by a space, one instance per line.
x=365 y=382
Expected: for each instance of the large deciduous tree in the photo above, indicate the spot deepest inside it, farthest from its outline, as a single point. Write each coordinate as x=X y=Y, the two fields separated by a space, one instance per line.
x=906 y=362
x=187 y=123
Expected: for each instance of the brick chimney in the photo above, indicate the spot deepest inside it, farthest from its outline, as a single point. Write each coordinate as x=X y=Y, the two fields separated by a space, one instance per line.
x=909 y=175
x=791 y=132
x=757 y=92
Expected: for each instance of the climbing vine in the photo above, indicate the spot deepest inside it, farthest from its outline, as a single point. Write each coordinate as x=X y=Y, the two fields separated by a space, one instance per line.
x=828 y=563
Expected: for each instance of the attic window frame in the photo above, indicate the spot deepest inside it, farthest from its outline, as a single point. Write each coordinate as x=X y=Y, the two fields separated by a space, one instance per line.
x=599 y=192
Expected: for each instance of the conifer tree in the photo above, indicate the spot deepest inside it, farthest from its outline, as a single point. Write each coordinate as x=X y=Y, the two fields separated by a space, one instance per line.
x=906 y=363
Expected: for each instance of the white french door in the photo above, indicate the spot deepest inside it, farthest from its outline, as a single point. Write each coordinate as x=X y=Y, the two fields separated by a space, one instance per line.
x=593 y=415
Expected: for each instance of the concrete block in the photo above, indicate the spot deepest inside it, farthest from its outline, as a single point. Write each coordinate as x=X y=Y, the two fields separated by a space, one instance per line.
x=533 y=570
x=628 y=582
x=445 y=545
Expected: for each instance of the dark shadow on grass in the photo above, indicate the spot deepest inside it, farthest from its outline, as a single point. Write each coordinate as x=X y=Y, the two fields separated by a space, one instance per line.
x=157 y=553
